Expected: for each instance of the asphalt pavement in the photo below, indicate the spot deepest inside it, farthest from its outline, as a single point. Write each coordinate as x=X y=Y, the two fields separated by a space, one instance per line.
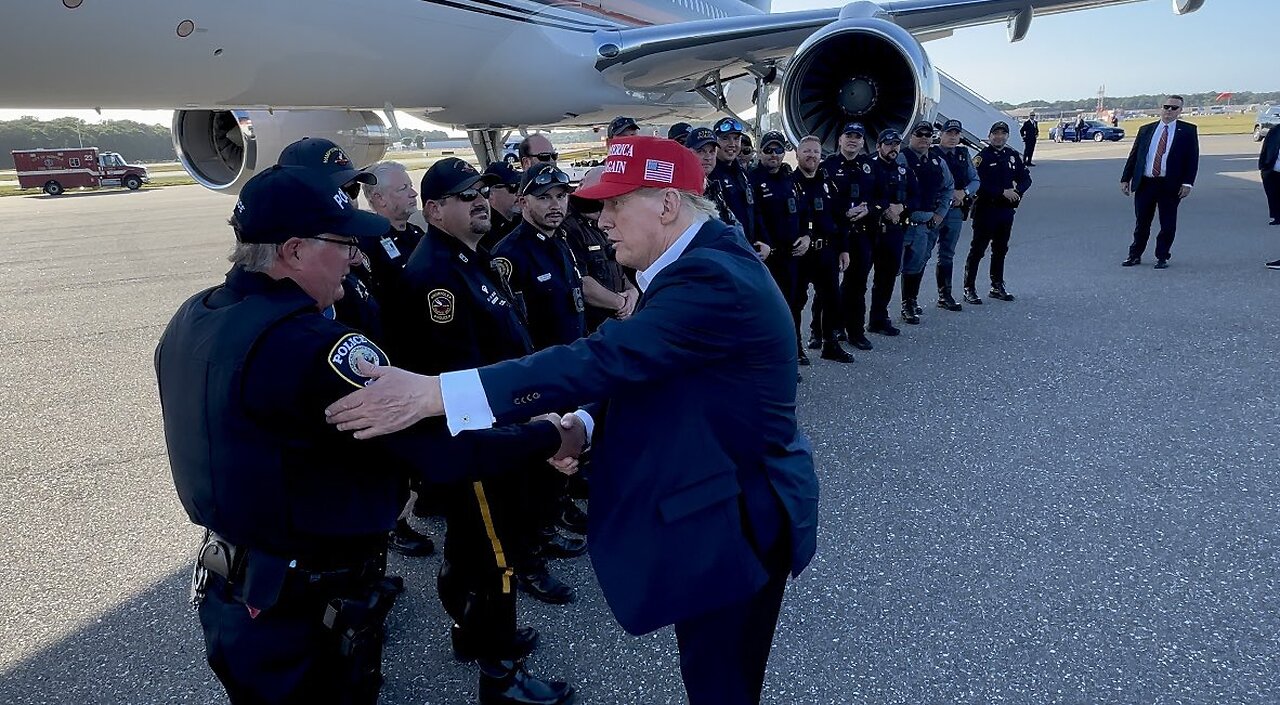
x=1070 y=498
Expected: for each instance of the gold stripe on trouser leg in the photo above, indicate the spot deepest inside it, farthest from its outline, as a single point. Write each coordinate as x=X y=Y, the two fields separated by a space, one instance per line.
x=498 y=556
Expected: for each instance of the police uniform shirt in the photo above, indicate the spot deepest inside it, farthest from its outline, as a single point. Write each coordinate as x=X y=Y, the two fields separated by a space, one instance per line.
x=933 y=178
x=849 y=181
x=714 y=192
x=815 y=209
x=736 y=190
x=388 y=256
x=319 y=491
x=963 y=173
x=358 y=307
x=775 y=197
x=499 y=227
x=546 y=279
x=890 y=183
x=1000 y=169
x=463 y=314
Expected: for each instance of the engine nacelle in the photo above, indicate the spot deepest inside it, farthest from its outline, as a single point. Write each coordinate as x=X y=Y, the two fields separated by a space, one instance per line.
x=862 y=69
x=222 y=149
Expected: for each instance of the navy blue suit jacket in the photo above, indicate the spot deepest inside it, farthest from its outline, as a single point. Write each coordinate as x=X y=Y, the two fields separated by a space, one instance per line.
x=1183 y=161
x=696 y=438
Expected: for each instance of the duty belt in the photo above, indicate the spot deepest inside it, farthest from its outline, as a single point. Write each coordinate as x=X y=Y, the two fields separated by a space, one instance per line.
x=228 y=561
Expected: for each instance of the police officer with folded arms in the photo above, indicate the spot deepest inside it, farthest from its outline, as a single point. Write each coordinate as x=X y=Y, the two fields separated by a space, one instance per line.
x=965 y=177
x=828 y=253
x=776 y=199
x=1004 y=180
x=850 y=172
x=936 y=185
x=290 y=578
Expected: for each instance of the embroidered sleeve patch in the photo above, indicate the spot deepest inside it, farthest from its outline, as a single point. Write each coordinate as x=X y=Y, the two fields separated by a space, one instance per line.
x=352 y=349
x=503 y=267
x=442 y=305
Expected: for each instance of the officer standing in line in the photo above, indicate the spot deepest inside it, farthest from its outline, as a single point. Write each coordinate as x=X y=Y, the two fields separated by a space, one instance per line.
x=704 y=144
x=735 y=186
x=936 y=185
x=1005 y=179
x=891 y=199
x=828 y=253
x=1030 y=132
x=605 y=286
x=465 y=315
x=776 y=199
x=536 y=149
x=504 y=204
x=369 y=292
x=966 y=185
x=545 y=277
x=290 y=576
x=746 y=154
x=850 y=172
x=679 y=132
x=622 y=126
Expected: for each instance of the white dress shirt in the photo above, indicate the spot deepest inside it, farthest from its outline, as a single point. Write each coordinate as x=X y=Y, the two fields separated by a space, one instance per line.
x=1155 y=144
x=466 y=406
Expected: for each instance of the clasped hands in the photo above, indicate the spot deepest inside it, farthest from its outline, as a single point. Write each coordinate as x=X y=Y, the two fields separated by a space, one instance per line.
x=573 y=441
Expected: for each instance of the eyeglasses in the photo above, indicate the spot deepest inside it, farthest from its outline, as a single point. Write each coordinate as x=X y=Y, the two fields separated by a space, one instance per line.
x=773 y=150
x=546 y=156
x=352 y=246
x=923 y=133
x=745 y=152
x=469 y=195
x=1173 y=108
x=892 y=143
x=729 y=126
x=545 y=178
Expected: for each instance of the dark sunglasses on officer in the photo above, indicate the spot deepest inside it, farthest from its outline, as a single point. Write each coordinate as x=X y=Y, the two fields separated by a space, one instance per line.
x=774 y=149
x=469 y=195
x=546 y=156
x=546 y=177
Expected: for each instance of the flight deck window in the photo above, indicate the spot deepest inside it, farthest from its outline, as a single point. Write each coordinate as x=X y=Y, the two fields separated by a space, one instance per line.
x=73 y=162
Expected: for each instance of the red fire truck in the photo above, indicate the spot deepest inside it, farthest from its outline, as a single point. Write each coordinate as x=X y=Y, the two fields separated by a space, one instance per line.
x=56 y=170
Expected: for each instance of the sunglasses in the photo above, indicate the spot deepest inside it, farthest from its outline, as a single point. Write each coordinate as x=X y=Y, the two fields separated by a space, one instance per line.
x=1173 y=108
x=774 y=150
x=546 y=177
x=470 y=194
x=730 y=126
x=892 y=143
x=923 y=133
x=546 y=156
x=351 y=245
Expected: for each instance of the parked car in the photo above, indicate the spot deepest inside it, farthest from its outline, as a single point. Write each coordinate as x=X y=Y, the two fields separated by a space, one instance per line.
x=1268 y=118
x=1095 y=130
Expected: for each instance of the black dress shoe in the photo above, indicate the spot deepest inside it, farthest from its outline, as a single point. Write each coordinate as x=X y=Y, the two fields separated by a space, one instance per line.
x=508 y=683
x=998 y=292
x=971 y=296
x=1132 y=261
x=545 y=587
x=1274 y=264
x=909 y=314
x=832 y=351
x=1162 y=264
x=884 y=327
x=859 y=341
x=573 y=519
x=815 y=342
x=841 y=337
x=803 y=359
x=946 y=301
x=407 y=542
x=557 y=545
x=466 y=650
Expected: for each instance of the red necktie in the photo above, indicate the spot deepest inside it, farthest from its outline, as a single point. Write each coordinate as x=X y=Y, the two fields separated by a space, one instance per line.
x=1163 y=145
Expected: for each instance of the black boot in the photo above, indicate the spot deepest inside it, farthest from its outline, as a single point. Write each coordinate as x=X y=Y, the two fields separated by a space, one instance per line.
x=815 y=341
x=945 y=299
x=971 y=296
x=556 y=545
x=831 y=350
x=998 y=292
x=803 y=358
x=910 y=295
x=508 y=683
x=537 y=581
x=466 y=650
x=909 y=312
x=408 y=542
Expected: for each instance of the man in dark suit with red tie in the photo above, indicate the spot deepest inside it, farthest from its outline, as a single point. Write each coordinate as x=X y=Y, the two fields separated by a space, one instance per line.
x=703 y=491
x=1269 y=165
x=1160 y=172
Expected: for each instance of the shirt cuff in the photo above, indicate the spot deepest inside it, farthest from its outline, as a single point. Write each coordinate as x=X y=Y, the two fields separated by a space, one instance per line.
x=466 y=406
x=1189 y=185
x=587 y=422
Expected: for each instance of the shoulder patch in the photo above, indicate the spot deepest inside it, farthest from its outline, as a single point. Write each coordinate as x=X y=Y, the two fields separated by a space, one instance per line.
x=866 y=168
x=977 y=161
x=441 y=304
x=503 y=267
x=351 y=349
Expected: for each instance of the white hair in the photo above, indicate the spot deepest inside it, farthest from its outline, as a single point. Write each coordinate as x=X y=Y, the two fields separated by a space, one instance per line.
x=690 y=203
x=254 y=256
x=380 y=170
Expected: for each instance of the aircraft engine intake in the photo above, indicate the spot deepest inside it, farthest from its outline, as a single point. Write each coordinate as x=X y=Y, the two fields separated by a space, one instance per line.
x=222 y=149
x=861 y=69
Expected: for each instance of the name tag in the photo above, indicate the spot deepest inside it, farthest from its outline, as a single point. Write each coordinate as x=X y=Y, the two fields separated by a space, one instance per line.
x=389 y=246
x=544 y=278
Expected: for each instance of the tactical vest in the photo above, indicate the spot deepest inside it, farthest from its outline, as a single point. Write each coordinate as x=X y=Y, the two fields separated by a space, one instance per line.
x=958 y=160
x=929 y=176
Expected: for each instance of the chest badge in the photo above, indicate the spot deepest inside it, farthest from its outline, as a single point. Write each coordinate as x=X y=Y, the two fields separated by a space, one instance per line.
x=442 y=304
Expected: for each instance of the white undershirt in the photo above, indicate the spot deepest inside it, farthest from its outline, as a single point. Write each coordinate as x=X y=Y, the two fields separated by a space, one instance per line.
x=1155 y=144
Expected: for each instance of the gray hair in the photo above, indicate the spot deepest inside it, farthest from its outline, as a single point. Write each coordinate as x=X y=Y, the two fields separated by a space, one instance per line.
x=690 y=203
x=380 y=170
x=254 y=256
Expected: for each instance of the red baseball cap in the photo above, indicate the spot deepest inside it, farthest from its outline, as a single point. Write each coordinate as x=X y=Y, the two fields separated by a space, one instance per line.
x=646 y=162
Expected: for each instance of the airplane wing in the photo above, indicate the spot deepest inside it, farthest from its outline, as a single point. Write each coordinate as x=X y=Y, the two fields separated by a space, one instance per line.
x=675 y=57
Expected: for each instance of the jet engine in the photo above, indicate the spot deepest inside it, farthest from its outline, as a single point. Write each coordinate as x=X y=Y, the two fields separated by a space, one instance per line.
x=222 y=149
x=862 y=69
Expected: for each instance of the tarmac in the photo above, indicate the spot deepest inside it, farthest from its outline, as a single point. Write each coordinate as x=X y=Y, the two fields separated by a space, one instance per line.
x=1070 y=498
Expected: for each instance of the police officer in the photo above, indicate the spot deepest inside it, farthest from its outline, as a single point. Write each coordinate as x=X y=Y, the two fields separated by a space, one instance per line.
x=735 y=186
x=850 y=172
x=1030 y=132
x=746 y=153
x=369 y=289
x=504 y=203
x=828 y=253
x=464 y=316
x=704 y=144
x=936 y=185
x=1005 y=179
x=622 y=126
x=536 y=149
x=290 y=577
x=776 y=199
x=966 y=185
x=608 y=290
x=679 y=131
x=891 y=198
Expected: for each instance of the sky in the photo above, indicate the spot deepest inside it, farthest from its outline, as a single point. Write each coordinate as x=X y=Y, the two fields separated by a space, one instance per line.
x=1132 y=49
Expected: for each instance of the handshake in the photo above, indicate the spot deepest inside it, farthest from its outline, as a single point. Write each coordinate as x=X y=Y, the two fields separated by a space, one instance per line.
x=573 y=441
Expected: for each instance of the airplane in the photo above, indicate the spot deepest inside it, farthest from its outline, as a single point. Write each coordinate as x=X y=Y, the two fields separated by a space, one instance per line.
x=246 y=77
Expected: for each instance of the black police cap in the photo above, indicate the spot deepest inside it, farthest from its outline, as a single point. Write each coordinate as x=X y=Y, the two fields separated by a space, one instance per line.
x=950 y=125
x=1001 y=126
x=450 y=176
x=543 y=177
x=679 y=131
x=700 y=137
x=620 y=123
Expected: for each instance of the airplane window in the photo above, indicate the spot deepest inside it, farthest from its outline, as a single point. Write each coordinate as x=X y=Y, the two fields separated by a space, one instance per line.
x=73 y=162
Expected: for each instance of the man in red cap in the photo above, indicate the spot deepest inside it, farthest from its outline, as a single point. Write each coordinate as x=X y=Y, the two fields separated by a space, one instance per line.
x=703 y=492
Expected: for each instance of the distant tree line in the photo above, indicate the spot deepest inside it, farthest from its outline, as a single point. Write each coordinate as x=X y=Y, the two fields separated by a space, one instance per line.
x=1142 y=102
